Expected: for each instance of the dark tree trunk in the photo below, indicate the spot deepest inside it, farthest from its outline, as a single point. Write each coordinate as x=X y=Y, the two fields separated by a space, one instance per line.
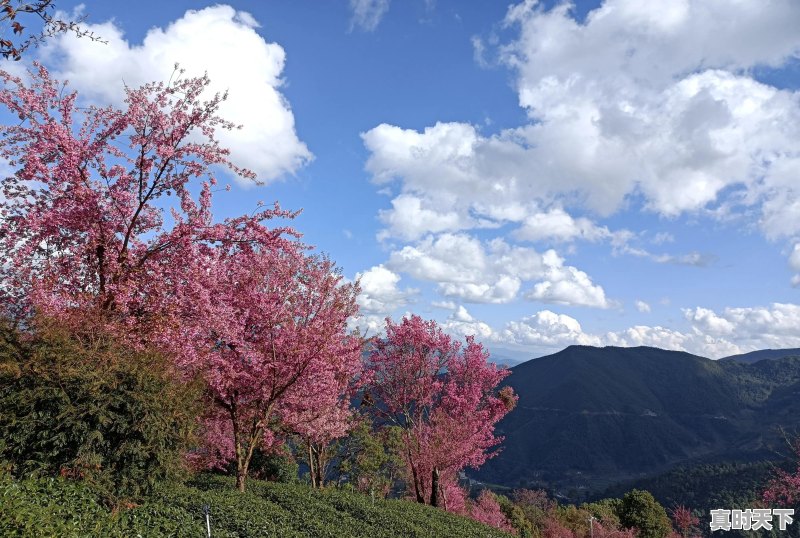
x=435 y=487
x=241 y=477
x=417 y=488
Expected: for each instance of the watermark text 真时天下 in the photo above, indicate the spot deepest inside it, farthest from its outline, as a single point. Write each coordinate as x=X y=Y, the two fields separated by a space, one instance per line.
x=751 y=519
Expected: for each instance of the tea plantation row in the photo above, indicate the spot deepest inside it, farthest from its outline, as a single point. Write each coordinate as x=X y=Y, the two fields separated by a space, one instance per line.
x=54 y=507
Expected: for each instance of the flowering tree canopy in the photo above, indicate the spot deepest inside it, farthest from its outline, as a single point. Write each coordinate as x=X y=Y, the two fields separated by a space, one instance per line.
x=100 y=206
x=445 y=398
x=108 y=218
x=784 y=488
x=272 y=326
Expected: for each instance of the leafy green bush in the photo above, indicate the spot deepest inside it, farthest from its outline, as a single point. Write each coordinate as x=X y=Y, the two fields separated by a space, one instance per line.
x=88 y=408
x=273 y=466
x=641 y=511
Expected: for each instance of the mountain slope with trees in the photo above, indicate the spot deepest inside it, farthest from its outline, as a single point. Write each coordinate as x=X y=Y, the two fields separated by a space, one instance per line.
x=762 y=354
x=589 y=417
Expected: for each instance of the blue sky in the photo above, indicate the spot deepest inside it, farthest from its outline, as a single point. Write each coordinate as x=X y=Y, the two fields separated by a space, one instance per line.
x=539 y=174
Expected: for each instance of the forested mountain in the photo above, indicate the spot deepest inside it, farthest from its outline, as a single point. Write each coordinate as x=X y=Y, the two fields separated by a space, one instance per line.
x=761 y=354
x=590 y=417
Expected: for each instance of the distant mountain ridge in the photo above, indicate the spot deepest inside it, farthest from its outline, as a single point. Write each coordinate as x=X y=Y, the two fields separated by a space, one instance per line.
x=588 y=417
x=763 y=354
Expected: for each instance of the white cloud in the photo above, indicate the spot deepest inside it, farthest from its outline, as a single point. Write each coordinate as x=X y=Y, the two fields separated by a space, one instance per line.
x=776 y=326
x=658 y=93
x=641 y=335
x=720 y=333
x=566 y=285
x=409 y=220
x=642 y=307
x=218 y=40
x=663 y=237
x=794 y=264
x=634 y=101
x=709 y=322
x=494 y=272
x=664 y=338
x=794 y=258
x=711 y=334
x=367 y=14
x=461 y=267
x=556 y=224
x=379 y=291
x=461 y=323
x=549 y=330
x=694 y=259
x=446 y=305
x=14 y=68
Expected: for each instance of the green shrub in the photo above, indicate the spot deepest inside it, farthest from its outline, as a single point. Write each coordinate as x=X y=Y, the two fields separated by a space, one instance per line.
x=275 y=467
x=91 y=409
x=641 y=511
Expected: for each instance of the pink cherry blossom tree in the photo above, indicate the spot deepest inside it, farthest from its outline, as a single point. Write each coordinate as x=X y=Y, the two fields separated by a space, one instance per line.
x=444 y=397
x=106 y=205
x=317 y=429
x=107 y=217
x=487 y=510
x=271 y=327
x=684 y=521
x=784 y=488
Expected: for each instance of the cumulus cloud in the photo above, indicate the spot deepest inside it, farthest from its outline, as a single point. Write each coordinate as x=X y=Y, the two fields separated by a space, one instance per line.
x=367 y=14
x=693 y=341
x=644 y=85
x=794 y=264
x=642 y=307
x=461 y=323
x=556 y=224
x=710 y=334
x=218 y=40
x=409 y=220
x=494 y=272
x=707 y=321
x=549 y=330
x=566 y=285
x=379 y=291
x=775 y=326
x=634 y=101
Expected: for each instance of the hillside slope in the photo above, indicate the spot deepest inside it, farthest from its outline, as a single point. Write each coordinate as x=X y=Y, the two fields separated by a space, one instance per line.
x=49 y=507
x=589 y=417
x=764 y=354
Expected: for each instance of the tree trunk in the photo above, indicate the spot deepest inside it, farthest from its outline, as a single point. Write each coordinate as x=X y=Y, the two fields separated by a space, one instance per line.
x=417 y=489
x=415 y=476
x=241 y=460
x=435 y=487
x=241 y=476
x=317 y=454
x=311 y=471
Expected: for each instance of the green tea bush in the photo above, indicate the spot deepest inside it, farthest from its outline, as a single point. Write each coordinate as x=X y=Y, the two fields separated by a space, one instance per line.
x=49 y=507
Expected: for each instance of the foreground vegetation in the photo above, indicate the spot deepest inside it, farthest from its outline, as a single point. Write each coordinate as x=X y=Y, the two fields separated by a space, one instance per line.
x=58 y=507
x=136 y=350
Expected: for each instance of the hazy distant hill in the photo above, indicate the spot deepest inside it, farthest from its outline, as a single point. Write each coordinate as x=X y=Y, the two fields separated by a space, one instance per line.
x=589 y=417
x=760 y=355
